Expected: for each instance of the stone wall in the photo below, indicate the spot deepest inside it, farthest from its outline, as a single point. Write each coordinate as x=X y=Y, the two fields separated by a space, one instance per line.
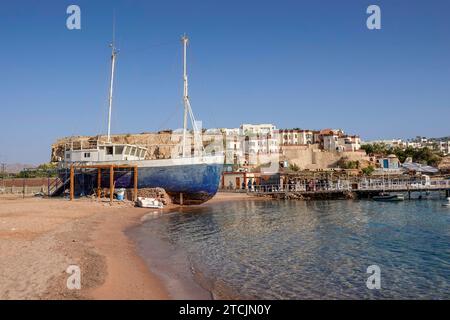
x=311 y=157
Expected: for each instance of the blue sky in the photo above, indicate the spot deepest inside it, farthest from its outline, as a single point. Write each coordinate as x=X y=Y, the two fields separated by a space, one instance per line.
x=309 y=64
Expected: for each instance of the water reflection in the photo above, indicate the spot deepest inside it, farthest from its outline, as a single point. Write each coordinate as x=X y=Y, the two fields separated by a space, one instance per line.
x=320 y=249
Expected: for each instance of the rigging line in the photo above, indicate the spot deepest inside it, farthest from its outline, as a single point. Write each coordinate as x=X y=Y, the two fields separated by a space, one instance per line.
x=194 y=124
x=167 y=120
x=171 y=115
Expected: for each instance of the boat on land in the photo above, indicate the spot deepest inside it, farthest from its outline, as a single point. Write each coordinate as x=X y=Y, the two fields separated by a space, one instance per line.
x=188 y=178
x=389 y=197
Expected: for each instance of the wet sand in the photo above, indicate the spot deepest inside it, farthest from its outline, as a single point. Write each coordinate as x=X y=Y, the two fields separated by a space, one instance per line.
x=40 y=238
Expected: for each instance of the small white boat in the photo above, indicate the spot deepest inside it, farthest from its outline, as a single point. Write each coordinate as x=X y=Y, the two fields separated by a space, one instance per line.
x=149 y=203
x=447 y=204
x=389 y=197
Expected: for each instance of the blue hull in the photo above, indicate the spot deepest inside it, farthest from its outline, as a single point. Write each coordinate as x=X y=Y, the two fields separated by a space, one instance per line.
x=197 y=182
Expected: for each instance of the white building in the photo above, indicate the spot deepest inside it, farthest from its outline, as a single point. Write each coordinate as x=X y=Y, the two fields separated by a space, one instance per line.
x=250 y=144
x=233 y=142
x=350 y=143
x=259 y=139
x=292 y=137
x=444 y=147
x=390 y=143
x=336 y=140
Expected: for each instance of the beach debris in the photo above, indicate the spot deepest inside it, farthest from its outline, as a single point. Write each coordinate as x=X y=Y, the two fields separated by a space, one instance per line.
x=149 y=203
x=156 y=193
x=120 y=193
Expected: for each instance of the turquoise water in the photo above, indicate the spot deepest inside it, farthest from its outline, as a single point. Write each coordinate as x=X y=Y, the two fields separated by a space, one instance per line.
x=310 y=250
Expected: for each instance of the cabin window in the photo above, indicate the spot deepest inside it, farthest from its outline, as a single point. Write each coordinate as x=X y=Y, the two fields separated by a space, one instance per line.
x=133 y=151
x=87 y=154
x=119 y=150
x=67 y=155
x=109 y=151
x=127 y=150
x=142 y=153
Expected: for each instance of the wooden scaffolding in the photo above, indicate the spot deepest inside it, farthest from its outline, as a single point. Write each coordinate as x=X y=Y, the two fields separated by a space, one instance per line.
x=111 y=169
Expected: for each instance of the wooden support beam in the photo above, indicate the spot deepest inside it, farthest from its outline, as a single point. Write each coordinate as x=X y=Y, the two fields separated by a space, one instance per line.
x=135 y=191
x=99 y=183
x=111 y=184
x=72 y=183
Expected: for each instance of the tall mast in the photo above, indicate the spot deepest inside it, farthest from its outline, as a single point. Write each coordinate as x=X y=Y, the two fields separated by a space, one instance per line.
x=184 y=39
x=113 y=63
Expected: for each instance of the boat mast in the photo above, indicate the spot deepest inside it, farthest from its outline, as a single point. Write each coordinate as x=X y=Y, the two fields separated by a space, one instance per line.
x=185 y=39
x=113 y=63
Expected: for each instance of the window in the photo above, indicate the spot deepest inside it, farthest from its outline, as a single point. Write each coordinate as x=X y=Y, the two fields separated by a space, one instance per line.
x=87 y=154
x=67 y=155
x=119 y=150
x=109 y=150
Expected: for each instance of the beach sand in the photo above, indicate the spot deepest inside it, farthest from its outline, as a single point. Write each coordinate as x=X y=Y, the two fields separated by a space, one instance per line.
x=40 y=238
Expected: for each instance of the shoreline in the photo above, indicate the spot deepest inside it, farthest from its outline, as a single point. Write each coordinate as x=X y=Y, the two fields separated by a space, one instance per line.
x=171 y=265
x=40 y=238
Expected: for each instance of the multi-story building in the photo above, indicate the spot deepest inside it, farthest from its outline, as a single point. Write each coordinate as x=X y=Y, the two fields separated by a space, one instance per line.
x=444 y=147
x=336 y=140
x=233 y=142
x=292 y=137
x=327 y=139
x=248 y=144
x=350 y=143
x=259 y=139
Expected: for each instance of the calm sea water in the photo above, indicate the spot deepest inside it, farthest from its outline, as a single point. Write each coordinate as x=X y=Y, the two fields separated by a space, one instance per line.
x=306 y=250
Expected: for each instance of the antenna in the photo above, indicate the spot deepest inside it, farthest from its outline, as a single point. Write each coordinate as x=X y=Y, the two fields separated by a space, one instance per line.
x=111 y=85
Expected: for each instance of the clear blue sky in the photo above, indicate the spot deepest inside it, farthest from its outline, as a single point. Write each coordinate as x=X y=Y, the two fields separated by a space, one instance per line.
x=310 y=64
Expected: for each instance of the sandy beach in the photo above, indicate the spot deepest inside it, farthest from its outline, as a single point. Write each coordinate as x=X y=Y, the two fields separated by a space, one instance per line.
x=40 y=238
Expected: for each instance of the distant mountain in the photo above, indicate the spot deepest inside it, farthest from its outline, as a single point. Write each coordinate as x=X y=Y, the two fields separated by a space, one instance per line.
x=16 y=167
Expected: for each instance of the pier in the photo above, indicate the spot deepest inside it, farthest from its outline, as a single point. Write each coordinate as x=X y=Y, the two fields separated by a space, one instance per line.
x=363 y=188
